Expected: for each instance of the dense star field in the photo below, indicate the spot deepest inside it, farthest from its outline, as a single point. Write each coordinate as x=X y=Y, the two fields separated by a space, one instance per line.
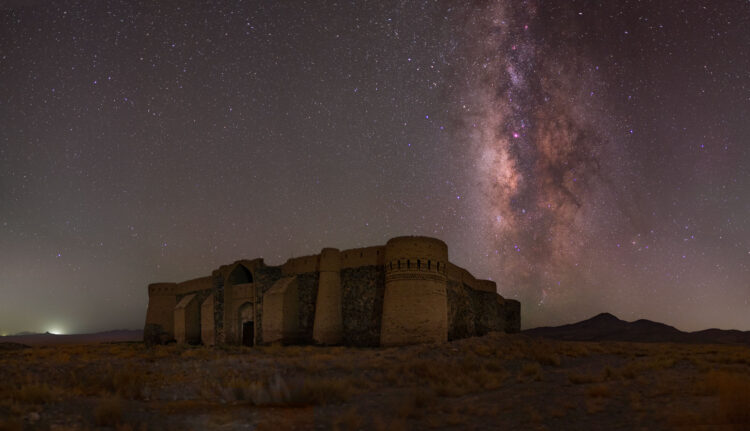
x=588 y=156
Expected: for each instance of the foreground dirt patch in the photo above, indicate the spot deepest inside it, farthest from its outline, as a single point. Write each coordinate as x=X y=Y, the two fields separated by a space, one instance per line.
x=494 y=382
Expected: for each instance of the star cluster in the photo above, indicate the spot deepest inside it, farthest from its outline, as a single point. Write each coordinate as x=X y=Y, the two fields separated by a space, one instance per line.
x=588 y=157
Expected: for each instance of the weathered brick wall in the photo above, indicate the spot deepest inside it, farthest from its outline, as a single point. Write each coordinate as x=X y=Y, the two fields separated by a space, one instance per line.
x=460 y=311
x=362 y=304
x=307 y=289
x=472 y=312
x=263 y=277
x=512 y=311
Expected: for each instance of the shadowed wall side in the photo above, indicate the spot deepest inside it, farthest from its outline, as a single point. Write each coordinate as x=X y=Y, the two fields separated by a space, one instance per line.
x=328 y=327
x=159 y=326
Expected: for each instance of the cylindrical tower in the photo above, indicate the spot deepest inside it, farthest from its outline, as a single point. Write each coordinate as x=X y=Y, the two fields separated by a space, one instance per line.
x=415 y=306
x=328 y=327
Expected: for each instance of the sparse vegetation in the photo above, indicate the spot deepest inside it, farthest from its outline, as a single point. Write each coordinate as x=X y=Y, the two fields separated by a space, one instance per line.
x=108 y=412
x=503 y=380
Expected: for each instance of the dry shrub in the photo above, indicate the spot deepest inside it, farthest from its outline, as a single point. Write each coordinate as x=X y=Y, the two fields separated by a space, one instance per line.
x=108 y=412
x=202 y=352
x=531 y=369
x=599 y=391
x=447 y=376
x=129 y=382
x=415 y=402
x=278 y=391
x=631 y=370
x=10 y=425
x=348 y=420
x=396 y=424
x=35 y=393
x=544 y=353
x=636 y=402
x=733 y=390
x=579 y=379
x=321 y=390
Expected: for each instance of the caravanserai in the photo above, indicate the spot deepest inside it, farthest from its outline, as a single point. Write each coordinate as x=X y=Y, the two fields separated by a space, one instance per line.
x=404 y=292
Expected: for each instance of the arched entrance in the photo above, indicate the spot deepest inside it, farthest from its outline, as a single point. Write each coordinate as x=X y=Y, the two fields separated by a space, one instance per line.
x=246 y=324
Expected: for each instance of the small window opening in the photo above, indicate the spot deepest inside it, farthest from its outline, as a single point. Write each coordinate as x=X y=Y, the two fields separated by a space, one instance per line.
x=408 y=264
x=429 y=263
x=419 y=264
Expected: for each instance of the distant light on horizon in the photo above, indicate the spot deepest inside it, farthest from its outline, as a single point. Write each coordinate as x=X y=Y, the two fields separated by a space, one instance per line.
x=56 y=330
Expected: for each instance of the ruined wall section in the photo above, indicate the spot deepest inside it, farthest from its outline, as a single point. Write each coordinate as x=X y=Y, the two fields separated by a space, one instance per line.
x=363 y=289
x=307 y=289
x=159 y=327
x=264 y=278
x=512 y=314
x=474 y=312
x=461 y=316
x=365 y=256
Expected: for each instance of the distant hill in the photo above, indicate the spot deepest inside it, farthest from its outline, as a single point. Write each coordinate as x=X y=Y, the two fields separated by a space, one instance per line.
x=29 y=339
x=606 y=327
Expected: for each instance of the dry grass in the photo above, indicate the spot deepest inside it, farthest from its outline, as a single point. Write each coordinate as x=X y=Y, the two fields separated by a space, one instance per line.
x=599 y=391
x=580 y=379
x=733 y=392
x=459 y=384
x=531 y=370
x=35 y=393
x=108 y=412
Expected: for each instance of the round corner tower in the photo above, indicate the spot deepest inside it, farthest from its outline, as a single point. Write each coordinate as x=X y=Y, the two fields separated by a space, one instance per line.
x=415 y=307
x=328 y=325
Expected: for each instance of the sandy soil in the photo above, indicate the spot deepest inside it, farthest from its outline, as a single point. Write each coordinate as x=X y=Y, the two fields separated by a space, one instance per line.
x=494 y=382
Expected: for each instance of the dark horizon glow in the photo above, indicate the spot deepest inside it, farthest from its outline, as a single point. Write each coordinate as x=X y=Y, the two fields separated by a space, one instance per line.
x=587 y=157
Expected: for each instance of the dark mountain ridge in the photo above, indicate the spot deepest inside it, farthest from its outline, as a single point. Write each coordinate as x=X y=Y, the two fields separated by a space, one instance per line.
x=606 y=327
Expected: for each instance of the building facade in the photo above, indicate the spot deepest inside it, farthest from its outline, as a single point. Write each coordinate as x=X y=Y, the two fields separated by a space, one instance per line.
x=405 y=292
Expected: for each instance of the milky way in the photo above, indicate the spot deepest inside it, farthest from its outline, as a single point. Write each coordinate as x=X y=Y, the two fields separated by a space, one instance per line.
x=540 y=152
x=554 y=173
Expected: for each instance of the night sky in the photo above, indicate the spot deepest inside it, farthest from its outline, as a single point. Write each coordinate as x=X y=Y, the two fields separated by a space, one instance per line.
x=588 y=156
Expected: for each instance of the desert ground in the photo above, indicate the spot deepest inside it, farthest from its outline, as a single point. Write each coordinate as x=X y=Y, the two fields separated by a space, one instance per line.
x=498 y=381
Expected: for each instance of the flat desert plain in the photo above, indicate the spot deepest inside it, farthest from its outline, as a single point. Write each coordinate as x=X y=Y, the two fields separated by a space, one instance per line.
x=498 y=381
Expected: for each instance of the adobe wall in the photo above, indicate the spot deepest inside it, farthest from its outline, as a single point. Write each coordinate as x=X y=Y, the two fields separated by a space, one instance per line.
x=159 y=326
x=263 y=277
x=415 y=306
x=187 y=327
x=512 y=311
x=473 y=312
x=363 y=289
x=207 y=321
x=462 y=276
x=365 y=256
x=328 y=325
x=280 y=320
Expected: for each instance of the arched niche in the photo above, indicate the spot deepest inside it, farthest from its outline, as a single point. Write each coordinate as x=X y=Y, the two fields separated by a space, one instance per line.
x=240 y=275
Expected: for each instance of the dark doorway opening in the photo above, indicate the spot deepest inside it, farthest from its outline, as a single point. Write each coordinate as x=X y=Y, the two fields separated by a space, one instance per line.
x=248 y=333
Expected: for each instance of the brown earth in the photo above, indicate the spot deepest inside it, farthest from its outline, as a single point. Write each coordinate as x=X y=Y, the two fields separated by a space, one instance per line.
x=494 y=382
